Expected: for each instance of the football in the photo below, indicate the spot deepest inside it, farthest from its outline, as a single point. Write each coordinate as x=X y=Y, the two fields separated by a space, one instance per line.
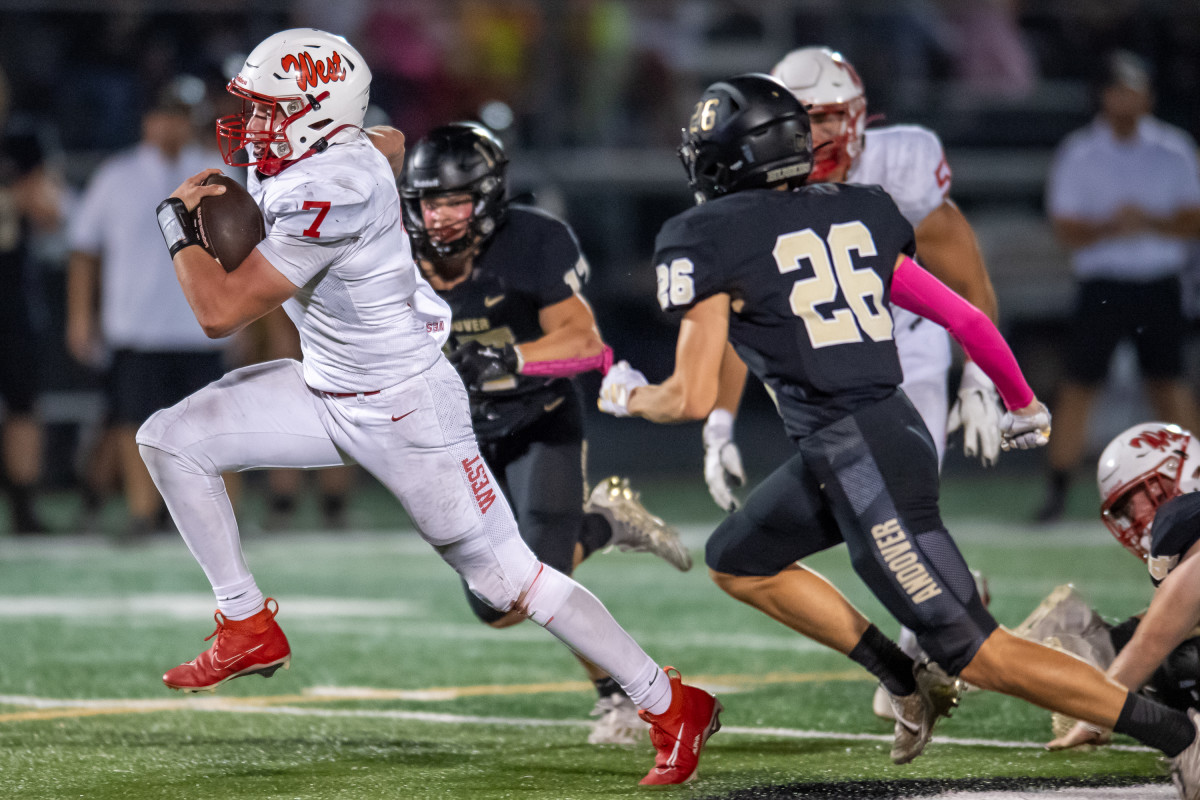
x=230 y=225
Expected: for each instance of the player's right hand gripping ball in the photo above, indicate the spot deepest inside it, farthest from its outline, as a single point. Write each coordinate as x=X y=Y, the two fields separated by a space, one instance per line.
x=1025 y=431
x=616 y=387
x=230 y=225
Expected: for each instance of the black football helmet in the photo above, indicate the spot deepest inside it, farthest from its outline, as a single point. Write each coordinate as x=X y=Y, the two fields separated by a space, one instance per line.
x=452 y=159
x=746 y=132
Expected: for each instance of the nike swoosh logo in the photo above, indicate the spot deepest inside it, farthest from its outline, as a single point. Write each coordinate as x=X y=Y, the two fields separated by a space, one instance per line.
x=673 y=759
x=402 y=416
x=488 y=302
x=553 y=404
x=226 y=664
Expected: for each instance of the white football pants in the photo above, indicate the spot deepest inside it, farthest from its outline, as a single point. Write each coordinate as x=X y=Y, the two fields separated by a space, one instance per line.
x=925 y=359
x=416 y=439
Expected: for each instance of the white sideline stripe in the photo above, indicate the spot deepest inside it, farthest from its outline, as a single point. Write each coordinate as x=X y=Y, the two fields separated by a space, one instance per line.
x=321 y=611
x=792 y=733
x=404 y=541
x=237 y=705
x=193 y=606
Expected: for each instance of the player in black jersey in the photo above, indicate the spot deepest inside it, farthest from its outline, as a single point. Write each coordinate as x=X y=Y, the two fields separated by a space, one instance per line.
x=1148 y=478
x=799 y=281
x=512 y=275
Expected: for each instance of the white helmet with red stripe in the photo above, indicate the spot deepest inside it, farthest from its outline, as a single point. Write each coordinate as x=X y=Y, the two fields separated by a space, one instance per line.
x=826 y=83
x=299 y=88
x=1144 y=467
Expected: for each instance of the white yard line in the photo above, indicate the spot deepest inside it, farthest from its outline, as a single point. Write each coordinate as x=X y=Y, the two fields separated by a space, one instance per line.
x=198 y=605
x=404 y=541
x=403 y=617
x=44 y=708
x=256 y=705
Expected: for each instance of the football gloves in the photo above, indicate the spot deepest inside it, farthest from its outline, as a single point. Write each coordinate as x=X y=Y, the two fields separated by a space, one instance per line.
x=977 y=412
x=722 y=460
x=1025 y=431
x=479 y=364
x=616 y=387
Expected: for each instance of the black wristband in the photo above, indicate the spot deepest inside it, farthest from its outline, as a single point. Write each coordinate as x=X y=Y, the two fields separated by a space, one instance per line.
x=176 y=225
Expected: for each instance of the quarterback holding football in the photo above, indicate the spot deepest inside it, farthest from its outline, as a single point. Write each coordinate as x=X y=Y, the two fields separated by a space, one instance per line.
x=373 y=388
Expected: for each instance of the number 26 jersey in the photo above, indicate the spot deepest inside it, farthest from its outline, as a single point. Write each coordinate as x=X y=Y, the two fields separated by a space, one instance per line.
x=808 y=273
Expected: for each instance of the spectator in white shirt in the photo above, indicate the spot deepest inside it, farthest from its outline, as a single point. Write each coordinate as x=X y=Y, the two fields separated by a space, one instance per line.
x=1124 y=198
x=123 y=302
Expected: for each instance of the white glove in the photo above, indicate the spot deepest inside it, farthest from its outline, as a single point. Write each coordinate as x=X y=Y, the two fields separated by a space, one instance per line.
x=1025 y=431
x=977 y=412
x=722 y=460
x=616 y=387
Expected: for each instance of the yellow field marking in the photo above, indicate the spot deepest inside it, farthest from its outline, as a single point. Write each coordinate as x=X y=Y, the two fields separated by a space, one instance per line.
x=782 y=677
x=453 y=692
x=76 y=709
x=72 y=713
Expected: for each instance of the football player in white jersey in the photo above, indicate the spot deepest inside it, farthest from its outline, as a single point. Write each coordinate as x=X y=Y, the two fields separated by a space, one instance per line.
x=373 y=388
x=910 y=165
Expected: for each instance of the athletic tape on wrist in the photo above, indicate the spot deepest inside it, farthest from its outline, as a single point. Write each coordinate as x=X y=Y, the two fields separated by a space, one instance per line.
x=176 y=225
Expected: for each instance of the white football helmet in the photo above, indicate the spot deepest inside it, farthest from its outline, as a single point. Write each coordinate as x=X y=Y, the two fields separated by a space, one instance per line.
x=1156 y=458
x=826 y=83
x=313 y=86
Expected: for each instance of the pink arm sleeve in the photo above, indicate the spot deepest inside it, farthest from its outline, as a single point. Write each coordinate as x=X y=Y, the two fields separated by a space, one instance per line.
x=916 y=290
x=566 y=367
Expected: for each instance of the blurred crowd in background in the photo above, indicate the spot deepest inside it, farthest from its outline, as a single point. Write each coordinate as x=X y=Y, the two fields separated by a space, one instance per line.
x=589 y=97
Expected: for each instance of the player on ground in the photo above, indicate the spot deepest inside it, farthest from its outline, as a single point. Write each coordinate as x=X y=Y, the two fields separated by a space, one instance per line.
x=910 y=165
x=798 y=277
x=1148 y=478
x=512 y=275
x=373 y=388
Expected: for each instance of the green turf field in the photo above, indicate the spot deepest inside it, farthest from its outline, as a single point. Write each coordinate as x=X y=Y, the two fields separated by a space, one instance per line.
x=396 y=691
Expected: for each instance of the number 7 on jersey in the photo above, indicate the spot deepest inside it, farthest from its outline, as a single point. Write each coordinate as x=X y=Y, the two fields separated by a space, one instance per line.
x=323 y=209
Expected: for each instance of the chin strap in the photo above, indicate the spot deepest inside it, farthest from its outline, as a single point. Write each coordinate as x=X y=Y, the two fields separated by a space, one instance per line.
x=319 y=146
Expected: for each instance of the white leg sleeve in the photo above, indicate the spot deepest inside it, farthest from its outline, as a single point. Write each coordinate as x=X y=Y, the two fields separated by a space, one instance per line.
x=258 y=416
x=201 y=509
x=579 y=620
x=499 y=570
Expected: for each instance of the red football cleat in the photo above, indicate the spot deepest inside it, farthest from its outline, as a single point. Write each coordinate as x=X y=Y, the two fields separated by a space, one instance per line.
x=679 y=733
x=253 y=646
